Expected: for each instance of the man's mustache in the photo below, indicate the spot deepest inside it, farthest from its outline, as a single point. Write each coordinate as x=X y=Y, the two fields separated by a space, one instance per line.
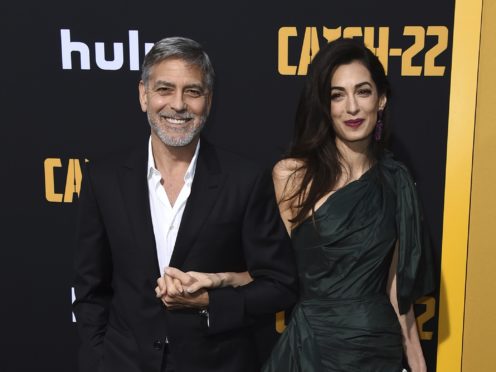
x=175 y=115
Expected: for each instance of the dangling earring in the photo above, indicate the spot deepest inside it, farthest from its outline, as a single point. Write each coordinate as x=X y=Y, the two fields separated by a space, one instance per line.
x=378 y=126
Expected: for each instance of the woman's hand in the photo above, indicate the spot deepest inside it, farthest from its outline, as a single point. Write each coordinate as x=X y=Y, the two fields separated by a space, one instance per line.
x=216 y=280
x=416 y=362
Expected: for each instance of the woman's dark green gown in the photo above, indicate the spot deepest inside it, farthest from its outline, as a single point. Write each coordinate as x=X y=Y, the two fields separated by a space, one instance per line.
x=344 y=320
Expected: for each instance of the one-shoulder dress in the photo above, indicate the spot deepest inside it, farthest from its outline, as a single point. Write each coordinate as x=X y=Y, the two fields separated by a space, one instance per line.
x=344 y=320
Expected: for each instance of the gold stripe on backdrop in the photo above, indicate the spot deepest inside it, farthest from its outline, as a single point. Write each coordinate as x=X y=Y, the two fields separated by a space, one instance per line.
x=479 y=326
x=465 y=63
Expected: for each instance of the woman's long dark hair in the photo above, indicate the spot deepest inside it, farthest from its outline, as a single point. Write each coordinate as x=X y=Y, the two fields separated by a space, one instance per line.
x=314 y=137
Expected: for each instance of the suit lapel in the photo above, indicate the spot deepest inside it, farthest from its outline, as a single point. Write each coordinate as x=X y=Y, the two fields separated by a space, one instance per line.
x=133 y=182
x=204 y=191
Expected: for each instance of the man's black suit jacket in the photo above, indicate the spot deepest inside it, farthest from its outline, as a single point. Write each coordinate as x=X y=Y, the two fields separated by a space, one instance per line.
x=230 y=223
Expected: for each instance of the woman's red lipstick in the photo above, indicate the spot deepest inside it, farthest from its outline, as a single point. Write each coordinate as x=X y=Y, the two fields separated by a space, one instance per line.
x=354 y=123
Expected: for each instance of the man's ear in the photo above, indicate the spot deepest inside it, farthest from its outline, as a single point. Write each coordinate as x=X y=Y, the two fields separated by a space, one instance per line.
x=142 y=96
x=209 y=102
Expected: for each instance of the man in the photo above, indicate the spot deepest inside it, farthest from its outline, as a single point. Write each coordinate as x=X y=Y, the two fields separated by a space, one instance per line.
x=176 y=201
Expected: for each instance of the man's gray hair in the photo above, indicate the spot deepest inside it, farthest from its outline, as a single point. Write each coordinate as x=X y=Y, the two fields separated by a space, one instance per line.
x=182 y=48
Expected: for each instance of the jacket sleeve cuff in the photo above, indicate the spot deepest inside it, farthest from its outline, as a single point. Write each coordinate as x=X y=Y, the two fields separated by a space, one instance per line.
x=226 y=310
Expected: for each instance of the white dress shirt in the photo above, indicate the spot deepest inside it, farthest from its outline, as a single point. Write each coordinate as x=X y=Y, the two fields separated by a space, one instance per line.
x=165 y=217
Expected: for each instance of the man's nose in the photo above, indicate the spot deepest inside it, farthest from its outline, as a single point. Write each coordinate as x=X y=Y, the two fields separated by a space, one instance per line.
x=177 y=101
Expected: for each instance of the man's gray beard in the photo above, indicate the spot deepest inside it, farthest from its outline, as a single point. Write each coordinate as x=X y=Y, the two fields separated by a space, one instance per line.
x=177 y=142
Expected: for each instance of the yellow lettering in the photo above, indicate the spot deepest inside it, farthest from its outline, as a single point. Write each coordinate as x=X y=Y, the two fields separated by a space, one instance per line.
x=50 y=194
x=331 y=34
x=407 y=69
x=73 y=181
x=375 y=38
x=280 y=322
x=309 y=49
x=351 y=32
x=430 y=57
x=428 y=314
x=382 y=49
x=283 y=54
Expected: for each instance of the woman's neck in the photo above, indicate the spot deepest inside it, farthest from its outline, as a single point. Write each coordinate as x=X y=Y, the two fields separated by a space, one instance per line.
x=355 y=158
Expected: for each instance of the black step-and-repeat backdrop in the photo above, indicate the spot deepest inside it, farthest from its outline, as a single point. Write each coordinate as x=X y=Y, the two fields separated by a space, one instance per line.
x=70 y=73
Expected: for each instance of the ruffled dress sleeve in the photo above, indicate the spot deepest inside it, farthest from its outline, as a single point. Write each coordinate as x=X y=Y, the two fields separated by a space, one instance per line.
x=414 y=277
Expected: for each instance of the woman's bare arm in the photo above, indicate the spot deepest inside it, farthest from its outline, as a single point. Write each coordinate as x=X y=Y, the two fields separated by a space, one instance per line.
x=410 y=337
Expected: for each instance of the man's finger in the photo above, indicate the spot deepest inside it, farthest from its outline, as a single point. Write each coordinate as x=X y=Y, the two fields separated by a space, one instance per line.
x=162 y=287
x=172 y=303
x=171 y=288
x=178 y=274
x=178 y=285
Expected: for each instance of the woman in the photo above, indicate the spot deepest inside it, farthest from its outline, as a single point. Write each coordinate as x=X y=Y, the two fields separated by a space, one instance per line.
x=353 y=216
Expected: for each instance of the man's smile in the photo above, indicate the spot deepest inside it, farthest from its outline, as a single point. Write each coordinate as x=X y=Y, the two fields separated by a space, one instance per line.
x=176 y=120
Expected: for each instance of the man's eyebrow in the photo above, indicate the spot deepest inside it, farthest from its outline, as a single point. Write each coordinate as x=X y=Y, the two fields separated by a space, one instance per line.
x=163 y=83
x=194 y=85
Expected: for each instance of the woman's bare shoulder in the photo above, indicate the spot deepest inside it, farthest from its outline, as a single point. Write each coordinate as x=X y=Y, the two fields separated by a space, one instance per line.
x=286 y=168
x=287 y=176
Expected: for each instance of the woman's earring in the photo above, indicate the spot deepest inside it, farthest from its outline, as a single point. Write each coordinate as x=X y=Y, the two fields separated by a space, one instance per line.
x=378 y=126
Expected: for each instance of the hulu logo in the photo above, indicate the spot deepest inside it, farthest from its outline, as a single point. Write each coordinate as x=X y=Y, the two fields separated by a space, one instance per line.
x=73 y=51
